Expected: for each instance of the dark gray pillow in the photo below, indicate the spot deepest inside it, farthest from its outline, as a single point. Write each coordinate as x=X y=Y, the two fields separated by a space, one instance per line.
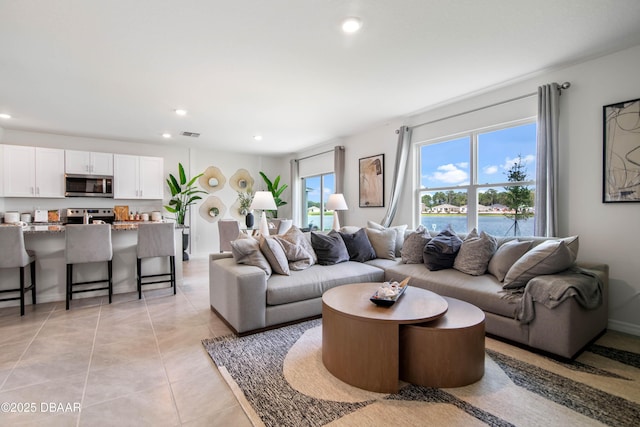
x=440 y=253
x=329 y=248
x=358 y=245
x=413 y=246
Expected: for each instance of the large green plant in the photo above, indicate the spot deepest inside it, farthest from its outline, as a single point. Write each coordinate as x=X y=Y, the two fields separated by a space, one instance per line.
x=183 y=194
x=276 y=191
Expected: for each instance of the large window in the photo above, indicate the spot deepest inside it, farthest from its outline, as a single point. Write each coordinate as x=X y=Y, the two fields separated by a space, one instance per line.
x=316 y=192
x=483 y=179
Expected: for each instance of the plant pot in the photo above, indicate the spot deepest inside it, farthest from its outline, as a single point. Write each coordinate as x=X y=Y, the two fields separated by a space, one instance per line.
x=249 y=220
x=185 y=246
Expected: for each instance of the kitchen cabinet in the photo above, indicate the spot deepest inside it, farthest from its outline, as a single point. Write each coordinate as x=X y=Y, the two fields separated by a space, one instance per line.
x=33 y=171
x=138 y=177
x=88 y=163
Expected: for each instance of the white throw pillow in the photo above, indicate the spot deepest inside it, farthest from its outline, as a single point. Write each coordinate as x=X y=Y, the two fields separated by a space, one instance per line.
x=399 y=235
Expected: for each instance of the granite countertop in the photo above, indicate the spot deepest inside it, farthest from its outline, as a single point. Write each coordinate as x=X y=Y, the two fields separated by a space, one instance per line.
x=60 y=228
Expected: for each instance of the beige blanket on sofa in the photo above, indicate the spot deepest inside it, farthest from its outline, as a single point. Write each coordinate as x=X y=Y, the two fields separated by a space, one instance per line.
x=551 y=290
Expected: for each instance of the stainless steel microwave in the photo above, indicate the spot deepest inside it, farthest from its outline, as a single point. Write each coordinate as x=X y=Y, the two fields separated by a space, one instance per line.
x=88 y=186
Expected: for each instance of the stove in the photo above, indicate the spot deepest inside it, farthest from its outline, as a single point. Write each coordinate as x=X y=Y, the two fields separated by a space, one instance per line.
x=76 y=215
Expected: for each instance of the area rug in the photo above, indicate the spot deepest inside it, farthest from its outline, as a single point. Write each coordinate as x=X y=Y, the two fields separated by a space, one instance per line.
x=279 y=378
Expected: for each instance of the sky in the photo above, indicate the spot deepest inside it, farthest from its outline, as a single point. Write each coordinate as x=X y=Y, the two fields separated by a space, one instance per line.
x=447 y=164
x=314 y=184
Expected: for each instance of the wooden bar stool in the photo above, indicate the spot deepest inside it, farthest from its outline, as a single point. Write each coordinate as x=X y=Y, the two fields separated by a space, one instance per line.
x=156 y=240
x=87 y=244
x=14 y=255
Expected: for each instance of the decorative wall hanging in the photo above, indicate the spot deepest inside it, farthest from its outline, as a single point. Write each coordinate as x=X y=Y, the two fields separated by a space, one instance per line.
x=241 y=180
x=621 y=159
x=372 y=181
x=212 y=179
x=212 y=209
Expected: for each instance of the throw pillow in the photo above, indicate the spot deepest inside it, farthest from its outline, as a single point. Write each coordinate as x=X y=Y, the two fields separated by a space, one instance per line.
x=550 y=257
x=475 y=253
x=349 y=229
x=297 y=237
x=329 y=248
x=299 y=258
x=440 y=253
x=506 y=255
x=358 y=246
x=573 y=244
x=274 y=253
x=247 y=251
x=414 y=244
x=383 y=242
x=399 y=236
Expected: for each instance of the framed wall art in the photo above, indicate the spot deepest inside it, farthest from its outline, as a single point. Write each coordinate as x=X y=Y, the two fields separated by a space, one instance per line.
x=372 y=181
x=621 y=146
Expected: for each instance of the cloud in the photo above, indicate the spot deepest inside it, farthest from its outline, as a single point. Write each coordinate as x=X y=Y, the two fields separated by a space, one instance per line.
x=450 y=174
x=527 y=161
x=490 y=170
x=463 y=165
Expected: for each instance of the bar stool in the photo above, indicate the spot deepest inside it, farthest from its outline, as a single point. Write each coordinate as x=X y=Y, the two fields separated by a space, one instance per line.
x=14 y=255
x=156 y=240
x=88 y=243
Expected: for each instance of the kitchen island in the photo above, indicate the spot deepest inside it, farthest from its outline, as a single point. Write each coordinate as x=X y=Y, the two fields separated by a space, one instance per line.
x=48 y=243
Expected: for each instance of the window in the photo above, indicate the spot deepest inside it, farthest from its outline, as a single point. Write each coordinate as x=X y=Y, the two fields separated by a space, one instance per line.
x=316 y=192
x=483 y=179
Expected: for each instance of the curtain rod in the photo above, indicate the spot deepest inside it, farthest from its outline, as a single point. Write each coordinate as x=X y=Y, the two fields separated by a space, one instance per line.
x=317 y=154
x=561 y=87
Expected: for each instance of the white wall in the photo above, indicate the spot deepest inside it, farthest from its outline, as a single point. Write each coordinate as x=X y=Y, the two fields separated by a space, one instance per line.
x=609 y=233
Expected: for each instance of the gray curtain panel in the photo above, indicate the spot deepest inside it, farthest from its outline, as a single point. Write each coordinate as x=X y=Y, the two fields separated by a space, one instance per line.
x=546 y=216
x=296 y=213
x=338 y=171
x=402 y=158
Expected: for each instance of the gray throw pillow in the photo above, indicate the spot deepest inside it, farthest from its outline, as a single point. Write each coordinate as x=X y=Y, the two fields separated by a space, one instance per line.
x=475 y=253
x=506 y=255
x=440 y=253
x=414 y=244
x=274 y=253
x=247 y=251
x=329 y=248
x=383 y=242
x=400 y=229
x=297 y=237
x=299 y=258
x=358 y=246
x=550 y=257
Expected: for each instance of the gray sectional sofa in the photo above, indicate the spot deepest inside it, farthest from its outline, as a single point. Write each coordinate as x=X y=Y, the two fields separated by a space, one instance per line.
x=248 y=301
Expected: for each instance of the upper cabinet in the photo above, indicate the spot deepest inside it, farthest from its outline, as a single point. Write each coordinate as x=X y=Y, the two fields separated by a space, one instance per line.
x=138 y=177
x=88 y=163
x=33 y=171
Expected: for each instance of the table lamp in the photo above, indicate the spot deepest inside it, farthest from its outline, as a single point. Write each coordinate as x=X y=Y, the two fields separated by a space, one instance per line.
x=336 y=202
x=263 y=200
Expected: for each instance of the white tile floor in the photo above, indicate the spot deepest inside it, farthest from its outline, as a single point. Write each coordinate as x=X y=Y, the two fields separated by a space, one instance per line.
x=132 y=362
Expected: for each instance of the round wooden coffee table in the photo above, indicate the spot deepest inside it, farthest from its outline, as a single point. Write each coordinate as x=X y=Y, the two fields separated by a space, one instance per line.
x=361 y=341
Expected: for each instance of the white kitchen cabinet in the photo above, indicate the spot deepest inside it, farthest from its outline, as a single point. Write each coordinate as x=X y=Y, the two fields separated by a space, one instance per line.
x=88 y=163
x=138 y=177
x=33 y=171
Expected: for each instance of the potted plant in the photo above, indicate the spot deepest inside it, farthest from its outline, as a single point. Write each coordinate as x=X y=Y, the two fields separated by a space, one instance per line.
x=244 y=199
x=184 y=193
x=275 y=190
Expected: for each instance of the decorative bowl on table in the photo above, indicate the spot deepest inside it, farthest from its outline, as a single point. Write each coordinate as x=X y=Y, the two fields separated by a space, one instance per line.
x=388 y=293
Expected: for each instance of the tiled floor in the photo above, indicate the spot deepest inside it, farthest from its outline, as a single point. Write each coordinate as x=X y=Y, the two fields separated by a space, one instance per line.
x=133 y=362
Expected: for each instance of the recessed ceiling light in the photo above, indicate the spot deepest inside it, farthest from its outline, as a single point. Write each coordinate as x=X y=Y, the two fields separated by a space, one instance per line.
x=351 y=25
x=257 y=137
x=181 y=112
x=5 y=116
x=166 y=135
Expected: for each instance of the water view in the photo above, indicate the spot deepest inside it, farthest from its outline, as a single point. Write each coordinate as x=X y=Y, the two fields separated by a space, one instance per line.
x=496 y=225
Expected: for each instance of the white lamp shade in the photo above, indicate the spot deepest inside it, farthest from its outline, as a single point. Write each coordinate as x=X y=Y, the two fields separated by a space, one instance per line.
x=263 y=200
x=336 y=202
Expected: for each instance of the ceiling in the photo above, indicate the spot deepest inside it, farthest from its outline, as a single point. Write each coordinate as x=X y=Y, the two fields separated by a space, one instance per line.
x=283 y=69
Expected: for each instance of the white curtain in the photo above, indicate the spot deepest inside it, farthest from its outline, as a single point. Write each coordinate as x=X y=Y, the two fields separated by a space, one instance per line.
x=402 y=157
x=546 y=216
x=296 y=213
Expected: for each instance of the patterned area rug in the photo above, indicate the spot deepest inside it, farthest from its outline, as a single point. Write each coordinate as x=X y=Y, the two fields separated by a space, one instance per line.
x=279 y=378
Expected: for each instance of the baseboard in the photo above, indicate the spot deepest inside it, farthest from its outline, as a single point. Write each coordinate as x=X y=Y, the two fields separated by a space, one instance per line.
x=627 y=328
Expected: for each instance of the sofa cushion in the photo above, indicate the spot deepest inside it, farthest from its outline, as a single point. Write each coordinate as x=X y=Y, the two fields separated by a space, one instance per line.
x=358 y=246
x=329 y=248
x=475 y=253
x=274 y=253
x=413 y=247
x=506 y=255
x=400 y=229
x=247 y=251
x=549 y=257
x=383 y=242
x=441 y=251
x=314 y=281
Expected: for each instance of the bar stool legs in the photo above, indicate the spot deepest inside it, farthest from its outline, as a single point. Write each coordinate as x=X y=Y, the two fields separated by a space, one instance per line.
x=14 y=255
x=171 y=274
x=71 y=284
x=156 y=240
